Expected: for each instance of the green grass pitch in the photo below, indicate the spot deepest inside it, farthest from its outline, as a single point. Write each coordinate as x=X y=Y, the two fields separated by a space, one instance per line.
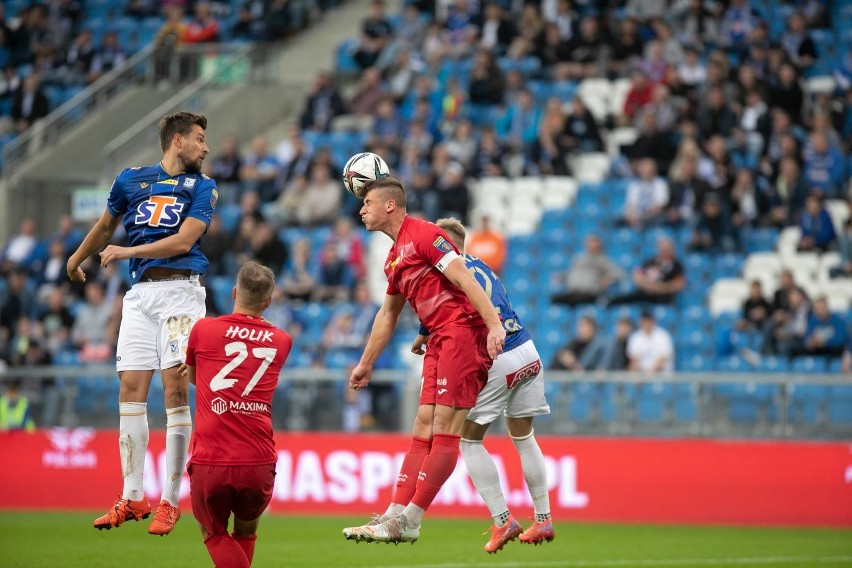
x=52 y=540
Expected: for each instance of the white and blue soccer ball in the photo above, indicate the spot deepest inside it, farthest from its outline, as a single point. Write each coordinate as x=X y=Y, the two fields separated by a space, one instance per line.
x=361 y=169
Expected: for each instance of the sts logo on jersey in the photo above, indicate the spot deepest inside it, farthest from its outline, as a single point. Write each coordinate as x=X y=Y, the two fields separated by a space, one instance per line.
x=159 y=211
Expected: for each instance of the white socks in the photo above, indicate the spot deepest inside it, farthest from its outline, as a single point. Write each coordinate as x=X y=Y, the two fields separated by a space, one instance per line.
x=413 y=515
x=532 y=462
x=178 y=430
x=485 y=478
x=394 y=509
x=132 y=444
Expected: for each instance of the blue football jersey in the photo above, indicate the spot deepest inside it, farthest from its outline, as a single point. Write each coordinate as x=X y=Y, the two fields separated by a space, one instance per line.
x=516 y=333
x=154 y=204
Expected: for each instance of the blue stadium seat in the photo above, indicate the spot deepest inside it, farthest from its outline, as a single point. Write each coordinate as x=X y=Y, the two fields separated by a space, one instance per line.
x=808 y=365
x=840 y=405
x=694 y=362
x=685 y=402
x=728 y=265
x=222 y=286
x=581 y=401
x=733 y=364
x=652 y=399
x=229 y=215
x=773 y=365
x=746 y=402
x=344 y=61
x=758 y=240
x=807 y=403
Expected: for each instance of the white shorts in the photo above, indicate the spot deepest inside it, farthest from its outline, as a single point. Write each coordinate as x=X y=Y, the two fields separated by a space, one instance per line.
x=155 y=322
x=515 y=387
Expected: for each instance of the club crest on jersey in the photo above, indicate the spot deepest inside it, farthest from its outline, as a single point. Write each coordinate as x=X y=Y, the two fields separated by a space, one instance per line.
x=442 y=245
x=189 y=183
x=159 y=211
x=214 y=198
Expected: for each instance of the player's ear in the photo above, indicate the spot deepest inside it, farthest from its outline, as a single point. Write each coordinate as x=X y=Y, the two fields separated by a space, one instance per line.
x=234 y=293
x=266 y=304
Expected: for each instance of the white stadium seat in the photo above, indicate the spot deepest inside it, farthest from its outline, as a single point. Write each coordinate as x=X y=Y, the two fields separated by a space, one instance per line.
x=839 y=211
x=802 y=264
x=788 y=240
x=821 y=84
x=620 y=137
x=839 y=294
x=727 y=295
x=591 y=167
x=595 y=94
x=761 y=264
x=559 y=192
x=827 y=261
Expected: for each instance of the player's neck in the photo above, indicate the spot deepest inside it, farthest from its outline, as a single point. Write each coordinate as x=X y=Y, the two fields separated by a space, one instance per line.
x=394 y=226
x=241 y=311
x=172 y=166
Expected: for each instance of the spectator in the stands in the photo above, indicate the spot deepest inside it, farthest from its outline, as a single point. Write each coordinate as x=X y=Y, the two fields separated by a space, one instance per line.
x=584 y=352
x=652 y=143
x=647 y=196
x=267 y=248
x=518 y=126
x=142 y=8
x=20 y=247
x=367 y=96
x=552 y=48
x=168 y=39
x=486 y=80
x=687 y=188
x=487 y=243
x=323 y=104
x=30 y=104
x=300 y=278
x=308 y=201
x=846 y=359
x=56 y=322
x=581 y=129
x=589 y=275
x=714 y=231
x=376 y=31
x=650 y=348
x=388 y=126
x=349 y=246
x=818 y=232
x=488 y=160
x=15 y=409
x=496 y=31
x=786 y=196
x=17 y=303
x=824 y=166
x=203 y=28
x=627 y=47
x=79 y=57
x=51 y=272
x=335 y=279
x=715 y=117
x=800 y=49
x=107 y=56
x=788 y=94
x=786 y=331
x=589 y=52
x=294 y=157
x=747 y=207
x=786 y=285
x=826 y=332
x=615 y=346
x=284 y=17
x=658 y=280
x=461 y=144
x=738 y=21
x=216 y=246
x=640 y=93
x=258 y=170
x=756 y=309
x=453 y=194
x=251 y=27
x=91 y=331
x=844 y=240
x=653 y=63
x=227 y=163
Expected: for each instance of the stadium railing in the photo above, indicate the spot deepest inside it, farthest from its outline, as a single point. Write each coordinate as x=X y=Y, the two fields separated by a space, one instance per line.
x=704 y=405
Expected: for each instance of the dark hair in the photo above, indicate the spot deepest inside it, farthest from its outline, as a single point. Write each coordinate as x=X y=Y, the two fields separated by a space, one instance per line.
x=392 y=187
x=179 y=123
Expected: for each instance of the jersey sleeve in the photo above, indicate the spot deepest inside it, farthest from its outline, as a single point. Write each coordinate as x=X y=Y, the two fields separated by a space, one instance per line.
x=204 y=201
x=436 y=247
x=117 y=200
x=192 y=344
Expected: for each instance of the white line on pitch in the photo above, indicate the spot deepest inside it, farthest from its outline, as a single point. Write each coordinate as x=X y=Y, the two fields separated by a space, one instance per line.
x=643 y=562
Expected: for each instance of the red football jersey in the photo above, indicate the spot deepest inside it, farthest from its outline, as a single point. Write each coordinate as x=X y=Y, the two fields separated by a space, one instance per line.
x=237 y=360
x=414 y=268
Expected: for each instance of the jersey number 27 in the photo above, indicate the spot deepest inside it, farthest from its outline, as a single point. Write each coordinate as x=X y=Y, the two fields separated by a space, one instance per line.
x=239 y=351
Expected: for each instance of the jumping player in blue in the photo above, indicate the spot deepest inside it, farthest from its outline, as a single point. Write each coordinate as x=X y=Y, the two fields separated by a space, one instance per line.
x=165 y=208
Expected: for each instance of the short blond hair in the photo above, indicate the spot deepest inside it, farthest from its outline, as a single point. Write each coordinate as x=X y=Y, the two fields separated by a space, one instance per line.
x=454 y=229
x=255 y=284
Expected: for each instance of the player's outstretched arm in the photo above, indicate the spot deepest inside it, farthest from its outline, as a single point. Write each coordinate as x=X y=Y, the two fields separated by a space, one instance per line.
x=457 y=273
x=98 y=236
x=174 y=245
x=380 y=335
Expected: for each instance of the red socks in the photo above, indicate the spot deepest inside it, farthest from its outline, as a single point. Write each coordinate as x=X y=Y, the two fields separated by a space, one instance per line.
x=406 y=483
x=437 y=468
x=225 y=552
x=246 y=542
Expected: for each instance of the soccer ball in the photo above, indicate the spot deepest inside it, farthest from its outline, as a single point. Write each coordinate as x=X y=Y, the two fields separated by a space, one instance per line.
x=361 y=169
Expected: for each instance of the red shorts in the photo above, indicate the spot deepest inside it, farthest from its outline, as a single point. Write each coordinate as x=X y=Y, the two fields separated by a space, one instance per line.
x=455 y=367
x=218 y=490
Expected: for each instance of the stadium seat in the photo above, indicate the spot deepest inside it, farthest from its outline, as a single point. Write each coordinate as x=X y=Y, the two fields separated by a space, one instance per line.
x=595 y=94
x=773 y=364
x=788 y=240
x=806 y=403
x=727 y=295
x=808 y=365
x=840 y=405
x=652 y=400
x=827 y=261
x=222 y=286
x=685 y=402
x=839 y=294
x=694 y=363
x=763 y=266
x=590 y=167
x=558 y=192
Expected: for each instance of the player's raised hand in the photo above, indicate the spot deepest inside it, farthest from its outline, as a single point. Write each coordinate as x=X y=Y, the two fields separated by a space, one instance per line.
x=495 y=341
x=112 y=253
x=75 y=273
x=418 y=343
x=360 y=376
